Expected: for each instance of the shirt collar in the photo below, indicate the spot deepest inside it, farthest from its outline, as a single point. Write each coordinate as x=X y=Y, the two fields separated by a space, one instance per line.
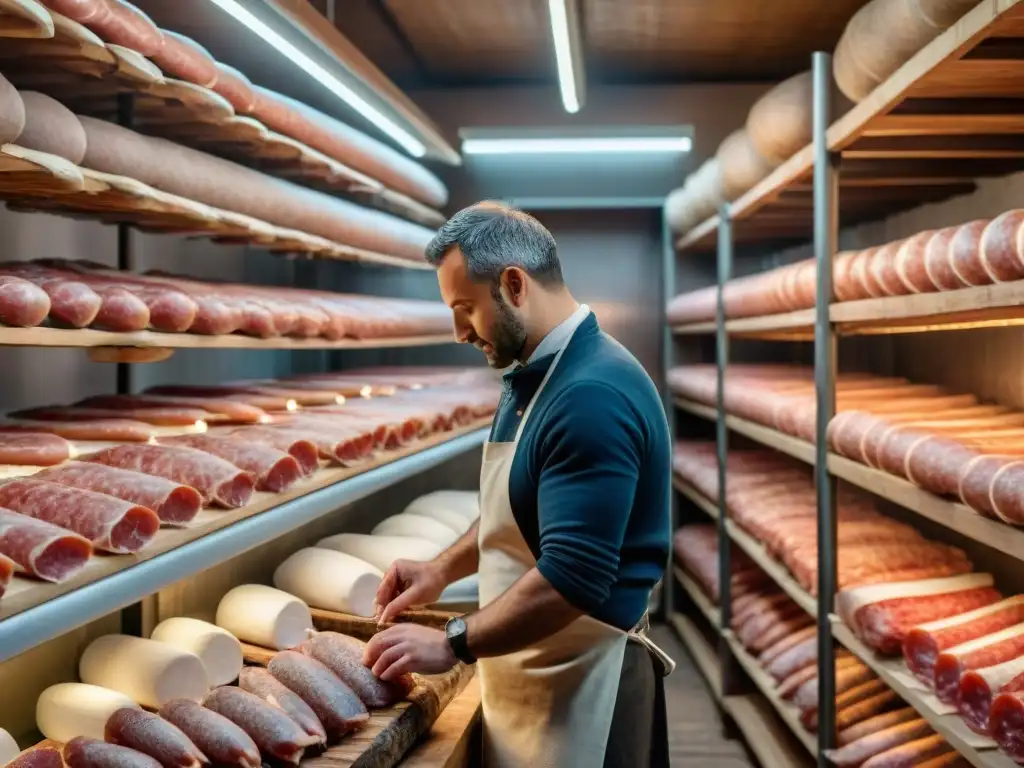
x=559 y=335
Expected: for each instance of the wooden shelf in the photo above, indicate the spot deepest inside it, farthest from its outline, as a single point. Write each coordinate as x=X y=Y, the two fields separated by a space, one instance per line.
x=789 y=714
x=85 y=337
x=32 y=612
x=788 y=326
x=944 y=104
x=894 y=673
x=704 y=654
x=709 y=507
x=758 y=724
x=776 y=570
x=68 y=62
x=702 y=601
x=792 y=446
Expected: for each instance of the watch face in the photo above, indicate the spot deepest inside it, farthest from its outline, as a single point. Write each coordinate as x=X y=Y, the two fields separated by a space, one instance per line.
x=454 y=627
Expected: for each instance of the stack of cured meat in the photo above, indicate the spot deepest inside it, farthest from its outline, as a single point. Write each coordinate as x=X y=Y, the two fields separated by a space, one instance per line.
x=772 y=498
x=106 y=473
x=876 y=728
x=947 y=443
x=980 y=252
x=79 y=294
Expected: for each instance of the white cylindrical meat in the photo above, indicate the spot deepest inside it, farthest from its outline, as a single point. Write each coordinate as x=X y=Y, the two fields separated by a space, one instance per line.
x=67 y=710
x=218 y=649
x=417 y=526
x=381 y=551
x=264 y=616
x=330 y=580
x=465 y=503
x=148 y=671
x=8 y=747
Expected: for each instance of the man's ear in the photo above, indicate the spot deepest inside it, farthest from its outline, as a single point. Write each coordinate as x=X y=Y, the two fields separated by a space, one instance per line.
x=514 y=283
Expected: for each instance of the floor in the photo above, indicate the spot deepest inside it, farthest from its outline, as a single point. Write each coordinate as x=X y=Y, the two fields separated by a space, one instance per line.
x=696 y=734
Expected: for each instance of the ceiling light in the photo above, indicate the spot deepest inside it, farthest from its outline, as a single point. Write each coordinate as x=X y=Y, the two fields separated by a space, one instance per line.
x=565 y=33
x=625 y=144
x=408 y=142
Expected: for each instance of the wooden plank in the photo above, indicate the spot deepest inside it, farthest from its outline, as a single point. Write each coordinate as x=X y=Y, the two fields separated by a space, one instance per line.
x=791 y=446
x=702 y=601
x=452 y=740
x=709 y=507
x=776 y=570
x=757 y=723
x=893 y=673
x=960 y=124
x=788 y=713
x=703 y=653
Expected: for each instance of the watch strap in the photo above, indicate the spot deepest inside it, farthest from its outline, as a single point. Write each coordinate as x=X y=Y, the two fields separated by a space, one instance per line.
x=455 y=631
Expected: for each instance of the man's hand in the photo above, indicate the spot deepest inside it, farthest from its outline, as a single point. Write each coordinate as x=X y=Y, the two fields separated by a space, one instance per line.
x=406 y=584
x=407 y=648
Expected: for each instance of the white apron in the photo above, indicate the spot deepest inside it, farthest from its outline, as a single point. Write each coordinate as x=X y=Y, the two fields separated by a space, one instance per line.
x=550 y=705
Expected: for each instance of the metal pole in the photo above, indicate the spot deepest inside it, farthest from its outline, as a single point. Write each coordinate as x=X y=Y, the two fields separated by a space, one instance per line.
x=722 y=444
x=125 y=244
x=668 y=280
x=826 y=227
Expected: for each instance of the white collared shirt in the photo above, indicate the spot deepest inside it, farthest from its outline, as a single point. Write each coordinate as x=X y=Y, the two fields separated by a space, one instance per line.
x=559 y=335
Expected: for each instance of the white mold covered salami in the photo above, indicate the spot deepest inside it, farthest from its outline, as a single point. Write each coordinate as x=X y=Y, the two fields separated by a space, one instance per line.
x=148 y=671
x=330 y=580
x=381 y=551
x=66 y=710
x=262 y=615
x=218 y=649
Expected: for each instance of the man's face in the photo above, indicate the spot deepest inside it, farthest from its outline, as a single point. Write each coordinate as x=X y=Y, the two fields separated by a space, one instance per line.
x=481 y=314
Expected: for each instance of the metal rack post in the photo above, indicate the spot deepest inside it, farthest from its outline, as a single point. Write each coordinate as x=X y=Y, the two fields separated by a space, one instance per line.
x=125 y=239
x=668 y=277
x=826 y=226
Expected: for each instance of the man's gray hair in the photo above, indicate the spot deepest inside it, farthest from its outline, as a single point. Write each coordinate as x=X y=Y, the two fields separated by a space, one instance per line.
x=494 y=237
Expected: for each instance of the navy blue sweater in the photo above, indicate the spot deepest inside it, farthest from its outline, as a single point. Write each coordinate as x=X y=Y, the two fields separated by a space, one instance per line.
x=590 y=482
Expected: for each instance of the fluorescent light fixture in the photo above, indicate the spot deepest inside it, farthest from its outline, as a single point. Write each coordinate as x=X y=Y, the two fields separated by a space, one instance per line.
x=406 y=140
x=570 y=63
x=582 y=145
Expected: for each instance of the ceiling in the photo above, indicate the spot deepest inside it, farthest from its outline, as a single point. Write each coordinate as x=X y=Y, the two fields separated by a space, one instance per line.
x=455 y=43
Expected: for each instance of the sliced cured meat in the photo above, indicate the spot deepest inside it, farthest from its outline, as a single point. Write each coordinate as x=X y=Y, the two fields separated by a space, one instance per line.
x=1006 y=724
x=32 y=449
x=876 y=724
x=108 y=523
x=165 y=417
x=128 y=26
x=219 y=481
x=276 y=735
x=276 y=471
x=22 y=304
x=223 y=742
x=922 y=645
x=103 y=430
x=343 y=655
x=185 y=59
x=978 y=687
x=224 y=409
x=1000 y=247
x=330 y=443
x=965 y=254
x=40 y=548
x=857 y=752
x=236 y=88
x=266 y=402
x=304 y=451
x=7 y=567
x=259 y=682
x=152 y=735
x=336 y=705
x=175 y=504
x=38 y=757
x=911 y=754
x=938 y=260
x=83 y=752
x=995 y=648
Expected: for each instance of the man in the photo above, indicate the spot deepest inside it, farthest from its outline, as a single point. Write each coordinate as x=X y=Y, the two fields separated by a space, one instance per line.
x=574 y=526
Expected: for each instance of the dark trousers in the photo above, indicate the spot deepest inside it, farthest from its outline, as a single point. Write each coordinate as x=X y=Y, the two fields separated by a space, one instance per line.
x=639 y=732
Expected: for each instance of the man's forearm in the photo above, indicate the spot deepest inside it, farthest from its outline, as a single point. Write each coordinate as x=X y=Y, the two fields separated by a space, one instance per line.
x=462 y=558
x=529 y=611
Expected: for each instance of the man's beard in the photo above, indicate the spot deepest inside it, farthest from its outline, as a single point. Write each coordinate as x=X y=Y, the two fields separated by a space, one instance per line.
x=508 y=336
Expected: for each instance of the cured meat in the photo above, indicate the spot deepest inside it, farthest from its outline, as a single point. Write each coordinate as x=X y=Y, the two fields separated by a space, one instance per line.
x=847 y=679
x=336 y=706
x=32 y=449
x=974 y=483
x=126 y=25
x=343 y=656
x=302 y=450
x=22 y=303
x=152 y=735
x=987 y=651
x=922 y=645
x=39 y=757
x=330 y=444
x=83 y=752
x=1007 y=493
x=6 y=572
x=236 y=88
x=979 y=686
x=276 y=735
x=51 y=127
x=260 y=682
x=795 y=658
x=876 y=724
x=109 y=524
x=1006 y=724
x=73 y=304
x=1000 y=247
x=103 y=430
x=910 y=754
x=175 y=504
x=219 y=481
x=40 y=548
x=965 y=254
x=223 y=742
x=938 y=260
x=82 y=11
x=183 y=58
x=218 y=409
x=276 y=471
x=866 y=708
x=168 y=417
x=857 y=752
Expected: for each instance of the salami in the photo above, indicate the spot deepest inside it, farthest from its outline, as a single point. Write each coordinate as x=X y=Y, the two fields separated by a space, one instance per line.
x=42 y=549
x=304 y=451
x=22 y=304
x=876 y=724
x=276 y=471
x=32 y=449
x=219 y=481
x=1006 y=724
x=128 y=26
x=336 y=705
x=164 y=417
x=857 y=752
x=995 y=648
x=260 y=682
x=275 y=734
x=343 y=656
x=109 y=524
x=175 y=504
x=1007 y=493
x=73 y=304
x=938 y=262
x=183 y=58
x=152 y=735
x=83 y=752
x=863 y=709
x=344 y=449
x=218 y=409
x=6 y=571
x=103 y=430
x=965 y=254
x=1001 y=247
x=922 y=644
x=978 y=687
x=223 y=742
x=236 y=88
x=38 y=757
x=910 y=754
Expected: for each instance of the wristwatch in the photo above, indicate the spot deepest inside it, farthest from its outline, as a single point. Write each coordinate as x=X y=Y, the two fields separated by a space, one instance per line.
x=455 y=631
